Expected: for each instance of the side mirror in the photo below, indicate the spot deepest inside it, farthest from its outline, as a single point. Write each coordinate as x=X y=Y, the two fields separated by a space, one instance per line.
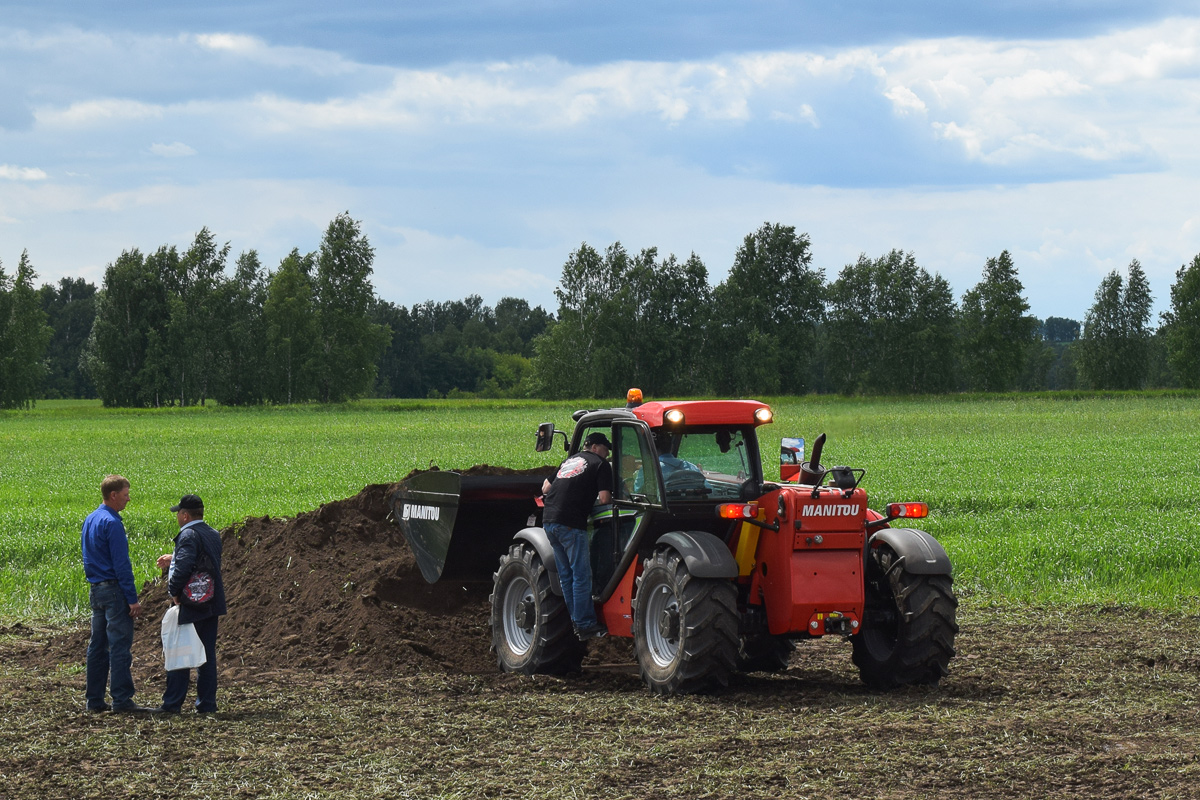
x=791 y=455
x=545 y=437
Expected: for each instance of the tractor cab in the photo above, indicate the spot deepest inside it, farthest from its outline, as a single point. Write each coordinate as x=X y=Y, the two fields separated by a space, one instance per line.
x=673 y=464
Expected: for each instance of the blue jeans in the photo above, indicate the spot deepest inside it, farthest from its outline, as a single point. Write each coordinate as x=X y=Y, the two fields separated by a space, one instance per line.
x=206 y=676
x=108 y=651
x=574 y=572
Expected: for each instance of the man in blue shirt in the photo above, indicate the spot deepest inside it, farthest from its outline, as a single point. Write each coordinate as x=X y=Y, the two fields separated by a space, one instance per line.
x=114 y=600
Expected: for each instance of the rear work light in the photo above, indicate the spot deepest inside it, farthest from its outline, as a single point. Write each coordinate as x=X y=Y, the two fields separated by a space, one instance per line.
x=674 y=417
x=738 y=511
x=908 y=510
x=763 y=415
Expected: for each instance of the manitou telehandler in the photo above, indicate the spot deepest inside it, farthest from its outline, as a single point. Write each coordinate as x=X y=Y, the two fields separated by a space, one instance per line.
x=708 y=567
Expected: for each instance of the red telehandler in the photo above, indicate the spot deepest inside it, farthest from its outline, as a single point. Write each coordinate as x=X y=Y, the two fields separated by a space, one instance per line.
x=709 y=568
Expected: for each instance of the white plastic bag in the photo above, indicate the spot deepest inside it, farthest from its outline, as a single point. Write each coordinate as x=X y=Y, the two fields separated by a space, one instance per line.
x=182 y=648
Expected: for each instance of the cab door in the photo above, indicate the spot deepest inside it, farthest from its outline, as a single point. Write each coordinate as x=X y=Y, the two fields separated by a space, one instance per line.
x=637 y=491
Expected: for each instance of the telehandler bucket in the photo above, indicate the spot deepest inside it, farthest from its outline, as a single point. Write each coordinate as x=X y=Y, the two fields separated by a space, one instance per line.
x=459 y=525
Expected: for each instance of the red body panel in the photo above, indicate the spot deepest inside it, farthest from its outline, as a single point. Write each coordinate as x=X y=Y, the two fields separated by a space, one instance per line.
x=814 y=584
x=812 y=566
x=617 y=613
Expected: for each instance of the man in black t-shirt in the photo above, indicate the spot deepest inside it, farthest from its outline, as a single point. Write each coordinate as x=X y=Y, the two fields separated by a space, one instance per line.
x=569 y=497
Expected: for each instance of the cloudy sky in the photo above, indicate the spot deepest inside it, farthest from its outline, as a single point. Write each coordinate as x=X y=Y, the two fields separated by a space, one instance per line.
x=480 y=142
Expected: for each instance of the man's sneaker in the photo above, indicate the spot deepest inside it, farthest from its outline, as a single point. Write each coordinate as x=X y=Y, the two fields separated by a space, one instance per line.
x=596 y=631
x=99 y=709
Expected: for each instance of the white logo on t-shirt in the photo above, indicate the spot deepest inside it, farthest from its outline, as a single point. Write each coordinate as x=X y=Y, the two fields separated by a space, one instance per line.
x=572 y=467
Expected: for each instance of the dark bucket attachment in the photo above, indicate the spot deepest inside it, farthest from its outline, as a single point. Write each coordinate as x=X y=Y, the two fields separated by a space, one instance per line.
x=458 y=526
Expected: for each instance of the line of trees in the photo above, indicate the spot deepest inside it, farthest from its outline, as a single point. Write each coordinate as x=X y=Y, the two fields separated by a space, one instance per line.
x=171 y=328
x=882 y=326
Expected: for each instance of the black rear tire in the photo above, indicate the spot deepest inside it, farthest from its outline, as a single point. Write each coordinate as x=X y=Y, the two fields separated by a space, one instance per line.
x=908 y=627
x=685 y=629
x=531 y=628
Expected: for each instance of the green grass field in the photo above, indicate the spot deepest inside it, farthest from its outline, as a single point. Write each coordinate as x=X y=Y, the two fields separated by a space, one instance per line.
x=1046 y=500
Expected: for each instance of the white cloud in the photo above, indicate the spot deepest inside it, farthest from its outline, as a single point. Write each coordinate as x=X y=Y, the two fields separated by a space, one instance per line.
x=790 y=68
x=143 y=196
x=173 y=150
x=98 y=112
x=230 y=41
x=804 y=114
x=1011 y=101
x=1036 y=84
x=968 y=138
x=11 y=173
x=905 y=100
x=1144 y=54
x=550 y=94
x=250 y=52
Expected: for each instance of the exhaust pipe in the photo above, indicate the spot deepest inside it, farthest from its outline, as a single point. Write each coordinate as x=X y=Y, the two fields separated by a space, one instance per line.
x=811 y=471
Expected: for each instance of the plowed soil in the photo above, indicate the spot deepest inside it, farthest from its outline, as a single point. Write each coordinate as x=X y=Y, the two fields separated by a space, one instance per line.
x=343 y=673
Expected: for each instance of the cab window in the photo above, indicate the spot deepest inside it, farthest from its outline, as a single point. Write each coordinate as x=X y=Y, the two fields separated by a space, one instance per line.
x=633 y=481
x=707 y=463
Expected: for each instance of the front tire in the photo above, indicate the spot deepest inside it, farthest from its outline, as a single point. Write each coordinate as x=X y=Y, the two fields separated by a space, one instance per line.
x=685 y=628
x=908 y=627
x=531 y=628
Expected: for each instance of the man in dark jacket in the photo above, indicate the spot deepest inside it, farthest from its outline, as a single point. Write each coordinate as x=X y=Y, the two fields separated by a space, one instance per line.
x=197 y=546
x=569 y=497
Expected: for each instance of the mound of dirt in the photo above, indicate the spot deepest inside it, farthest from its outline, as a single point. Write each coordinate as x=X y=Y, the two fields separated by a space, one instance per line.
x=338 y=589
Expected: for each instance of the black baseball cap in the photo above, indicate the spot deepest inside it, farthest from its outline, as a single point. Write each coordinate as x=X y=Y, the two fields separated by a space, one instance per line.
x=189 y=502
x=597 y=437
